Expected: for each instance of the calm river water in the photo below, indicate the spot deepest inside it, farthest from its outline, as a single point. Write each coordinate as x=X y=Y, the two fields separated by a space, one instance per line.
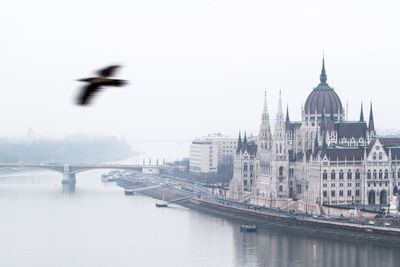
x=97 y=225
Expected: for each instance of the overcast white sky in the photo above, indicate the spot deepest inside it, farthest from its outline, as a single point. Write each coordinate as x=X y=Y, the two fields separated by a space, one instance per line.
x=194 y=67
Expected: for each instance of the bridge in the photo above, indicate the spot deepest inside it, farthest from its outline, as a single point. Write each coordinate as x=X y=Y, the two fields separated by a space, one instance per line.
x=69 y=171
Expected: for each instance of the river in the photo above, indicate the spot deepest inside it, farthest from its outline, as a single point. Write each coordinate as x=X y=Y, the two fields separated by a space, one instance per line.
x=97 y=225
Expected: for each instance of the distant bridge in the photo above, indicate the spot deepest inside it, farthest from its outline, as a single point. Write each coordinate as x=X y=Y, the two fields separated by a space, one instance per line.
x=70 y=170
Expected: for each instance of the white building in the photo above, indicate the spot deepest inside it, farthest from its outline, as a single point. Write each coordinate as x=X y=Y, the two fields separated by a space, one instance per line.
x=203 y=156
x=322 y=159
x=207 y=152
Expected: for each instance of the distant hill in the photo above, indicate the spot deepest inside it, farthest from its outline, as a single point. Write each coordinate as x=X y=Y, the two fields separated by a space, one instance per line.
x=73 y=148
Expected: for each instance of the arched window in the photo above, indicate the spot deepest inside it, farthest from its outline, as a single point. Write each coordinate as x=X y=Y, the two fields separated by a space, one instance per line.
x=374 y=174
x=251 y=167
x=369 y=174
x=374 y=156
x=280 y=148
x=245 y=167
x=281 y=171
x=358 y=174
x=341 y=175
x=325 y=175
x=333 y=175
x=349 y=175
x=380 y=156
x=380 y=174
x=386 y=174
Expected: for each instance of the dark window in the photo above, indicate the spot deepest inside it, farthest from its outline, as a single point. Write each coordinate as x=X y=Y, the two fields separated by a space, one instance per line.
x=380 y=174
x=358 y=174
x=280 y=188
x=374 y=174
x=251 y=167
x=349 y=175
x=386 y=174
x=280 y=171
x=332 y=193
x=333 y=175
x=341 y=193
x=325 y=193
x=349 y=193
x=357 y=193
x=245 y=167
x=369 y=174
x=325 y=175
x=341 y=175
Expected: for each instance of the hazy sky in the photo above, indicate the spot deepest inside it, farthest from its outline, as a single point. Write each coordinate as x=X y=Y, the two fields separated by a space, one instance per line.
x=194 y=67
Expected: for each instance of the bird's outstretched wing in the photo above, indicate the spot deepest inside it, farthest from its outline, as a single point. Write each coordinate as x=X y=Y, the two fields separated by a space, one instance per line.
x=87 y=93
x=108 y=71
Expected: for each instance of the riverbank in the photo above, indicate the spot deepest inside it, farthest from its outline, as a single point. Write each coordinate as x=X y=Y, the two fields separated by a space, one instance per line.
x=279 y=222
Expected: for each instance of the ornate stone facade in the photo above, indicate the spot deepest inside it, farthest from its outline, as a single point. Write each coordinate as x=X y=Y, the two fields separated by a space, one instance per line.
x=322 y=159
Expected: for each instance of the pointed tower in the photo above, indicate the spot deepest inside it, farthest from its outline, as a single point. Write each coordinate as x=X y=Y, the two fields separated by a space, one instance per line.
x=279 y=133
x=316 y=143
x=371 y=126
x=287 y=120
x=239 y=144
x=361 y=113
x=264 y=135
x=323 y=78
x=264 y=154
x=280 y=164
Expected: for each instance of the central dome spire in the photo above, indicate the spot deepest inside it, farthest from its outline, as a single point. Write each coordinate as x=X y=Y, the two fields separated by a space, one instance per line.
x=323 y=99
x=323 y=76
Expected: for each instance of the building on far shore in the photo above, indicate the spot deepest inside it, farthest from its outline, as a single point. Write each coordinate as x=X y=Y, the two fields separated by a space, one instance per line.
x=324 y=159
x=209 y=151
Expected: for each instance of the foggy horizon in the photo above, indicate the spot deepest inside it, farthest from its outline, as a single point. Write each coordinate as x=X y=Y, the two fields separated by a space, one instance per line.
x=194 y=68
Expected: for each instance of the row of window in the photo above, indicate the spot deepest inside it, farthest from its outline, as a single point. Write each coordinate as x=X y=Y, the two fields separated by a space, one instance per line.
x=341 y=193
x=246 y=167
x=380 y=174
x=341 y=174
x=380 y=184
x=341 y=185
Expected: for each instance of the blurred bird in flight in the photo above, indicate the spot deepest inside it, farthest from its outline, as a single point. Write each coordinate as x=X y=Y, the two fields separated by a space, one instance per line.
x=95 y=84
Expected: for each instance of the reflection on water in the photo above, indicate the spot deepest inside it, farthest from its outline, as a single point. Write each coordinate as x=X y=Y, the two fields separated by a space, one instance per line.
x=95 y=224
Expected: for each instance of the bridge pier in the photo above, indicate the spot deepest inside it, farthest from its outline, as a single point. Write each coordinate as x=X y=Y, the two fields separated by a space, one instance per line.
x=68 y=178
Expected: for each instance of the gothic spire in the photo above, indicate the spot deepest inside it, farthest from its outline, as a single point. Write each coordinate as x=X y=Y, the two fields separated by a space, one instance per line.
x=265 y=110
x=371 y=126
x=280 y=105
x=239 y=144
x=323 y=121
x=245 y=138
x=264 y=135
x=323 y=76
x=361 y=113
x=287 y=113
x=324 y=144
x=316 y=141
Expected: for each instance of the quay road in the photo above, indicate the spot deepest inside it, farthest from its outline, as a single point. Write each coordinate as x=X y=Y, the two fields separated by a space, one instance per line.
x=201 y=192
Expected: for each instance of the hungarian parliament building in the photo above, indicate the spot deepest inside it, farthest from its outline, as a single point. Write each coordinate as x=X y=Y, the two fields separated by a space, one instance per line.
x=324 y=159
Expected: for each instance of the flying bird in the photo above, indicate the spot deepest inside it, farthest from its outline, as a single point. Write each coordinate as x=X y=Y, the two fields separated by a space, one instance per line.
x=95 y=84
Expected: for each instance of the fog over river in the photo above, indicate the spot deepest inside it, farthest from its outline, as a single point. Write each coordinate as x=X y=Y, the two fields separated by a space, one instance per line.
x=97 y=225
